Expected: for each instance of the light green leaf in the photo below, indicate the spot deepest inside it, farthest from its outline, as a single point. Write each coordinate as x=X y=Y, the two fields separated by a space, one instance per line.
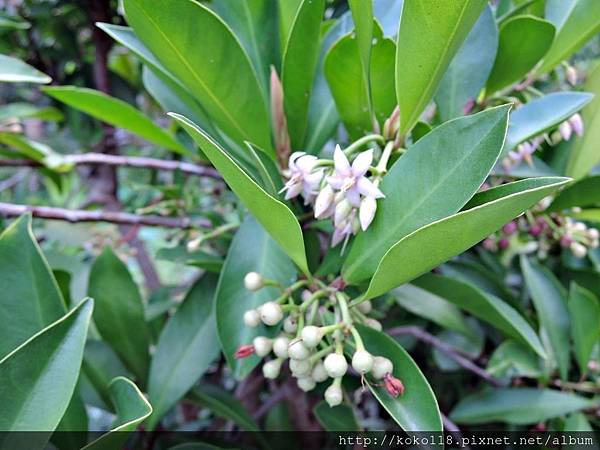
x=287 y=13
x=469 y=70
x=518 y=406
x=511 y=360
x=274 y=215
x=21 y=110
x=39 y=377
x=550 y=301
x=299 y=66
x=437 y=242
x=585 y=153
x=431 y=32
x=484 y=306
x=224 y=405
x=432 y=180
x=338 y=418
x=218 y=72
x=131 y=407
x=417 y=408
x=583 y=193
x=115 y=112
x=252 y=250
x=14 y=22
x=36 y=151
x=30 y=298
x=362 y=16
x=119 y=313
x=188 y=344
x=577 y=22
x=13 y=70
x=584 y=310
x=577 y=422
x=523 y=42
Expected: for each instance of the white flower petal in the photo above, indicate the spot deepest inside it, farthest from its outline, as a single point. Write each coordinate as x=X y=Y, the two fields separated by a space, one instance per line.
x=368 y=189
x=306 y=163
x=335 y=182
x=342 y=166
x=293 y=190
x=323 y=202
x=353 y=196
x=366 y=213
x=361 y=163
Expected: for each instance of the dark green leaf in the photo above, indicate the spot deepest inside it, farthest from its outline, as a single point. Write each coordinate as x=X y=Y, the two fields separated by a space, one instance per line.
x=584 y=309
x=338 y=418
x=584 y=193
x=224 y=405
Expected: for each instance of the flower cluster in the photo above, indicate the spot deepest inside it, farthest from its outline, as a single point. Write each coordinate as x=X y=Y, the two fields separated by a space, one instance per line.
x=345 y=193
x=318 y=331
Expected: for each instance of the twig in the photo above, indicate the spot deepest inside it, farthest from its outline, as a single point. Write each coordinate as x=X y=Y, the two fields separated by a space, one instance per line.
x=126 y=161
x=275 y=398
x=457 y=355
x=12 y=181
x=449 y=425
x=73 y=216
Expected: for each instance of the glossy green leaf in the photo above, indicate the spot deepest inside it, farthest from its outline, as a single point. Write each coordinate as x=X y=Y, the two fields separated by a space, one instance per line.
x=288 y=9
x=119 y=313
x=585 y=153
x=30 y=298
x=511 y=360
x=73 y=426
x=577 y=22
x=583 y=193
x=38 y=377
x=131 y=408
x=469 y=70
x=540 y=115
x=115 y=112
x=584 y=310
x=19 y=110
x=252 y=250
x=423 y=185
x=437 y=242
x=36 y=151
x=523 y=42
x=338 y=418
x=206 y=261
x=299 y=66
x=417 y=408
x=518 y=406
x=432 y=307
x=550 y=301
x=13 y=70
x=431 y=32
x=364 y=31
x=188 y=344
x=484 y=306
x=274 y=215
x=224 y=405
x=218 y=72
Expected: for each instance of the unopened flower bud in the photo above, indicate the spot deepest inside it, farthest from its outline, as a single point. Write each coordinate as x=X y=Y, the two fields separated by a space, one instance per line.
x=271 y=369
x=503 y=244
x=578 y=250
x=565 y=130
x=510 y=227
x=306 y=383
x=280 y=346
x=252 y=318
x=253 y=281
x=593 y=233
x=365 y=307
x=271 y=313
x=393 y=385
x=576 y=123
x=373 y=323
x=571 y=75
x=290 y=325
x=324 y=203
x=566 y=240
x=579 y=226
x=362 y=361
x=311 y=336
x=342 y=211
x=319 y=374
x=300 y=367
x=335 y=365
x=297 y=350
x=381 y=367
x=535 y=230
x=334 y=395
x=366 y=213
x=244 y=351
x=262 y=346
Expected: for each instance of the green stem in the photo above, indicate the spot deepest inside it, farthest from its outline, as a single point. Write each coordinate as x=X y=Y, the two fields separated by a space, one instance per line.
x=341 y=298
x=385 y=157
x=324 y=352
x=359 y=343
x=315 y=296
x=362 y=141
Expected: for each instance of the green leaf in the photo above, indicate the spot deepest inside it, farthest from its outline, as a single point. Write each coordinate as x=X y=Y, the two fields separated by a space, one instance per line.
x=432 y=307
x=299 y=67
x=35 y=151
x=14 y=22
x=542 y=114
x=206 y=261
x=577 y=422
x=550 y=301
x=131 y=407
x=469 y=70
x=338 y=418
x=583 y=193
x=218 y=72
x=71 y=431
x=30 y=298
x=252 y=250
x=13 y=70
x=484 y=306
x=437 y=242
x=585 y=153
x=115 y=112
x=519 y=406
x=119 y=313
x=288 y=9
x=362 y=16
x=511 y=360
x=431 y=32
x=39 y=377
x=188 y=344
x=224 y=405
x=21 y=110
x=274 y=215
x=584 y=310
x=577 y=22
x=523 y=42
x=417 y=408
x=423 y=185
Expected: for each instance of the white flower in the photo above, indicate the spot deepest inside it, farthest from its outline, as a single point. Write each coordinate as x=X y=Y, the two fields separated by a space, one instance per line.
x=302 y=178
x=351 y=179
x=324 y=204
x=565 y=130
x=366 y=214
x=576 y=123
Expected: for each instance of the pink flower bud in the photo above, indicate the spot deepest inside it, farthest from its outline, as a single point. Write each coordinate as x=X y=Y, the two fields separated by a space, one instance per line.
x=393 y=385
x=535 y=230
x=566 y=240
x=282 y=138
x=576 y=123
x=244 y=351
x=503 y=244
x=565 y=130
x=510 y=227
x=571 y=75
